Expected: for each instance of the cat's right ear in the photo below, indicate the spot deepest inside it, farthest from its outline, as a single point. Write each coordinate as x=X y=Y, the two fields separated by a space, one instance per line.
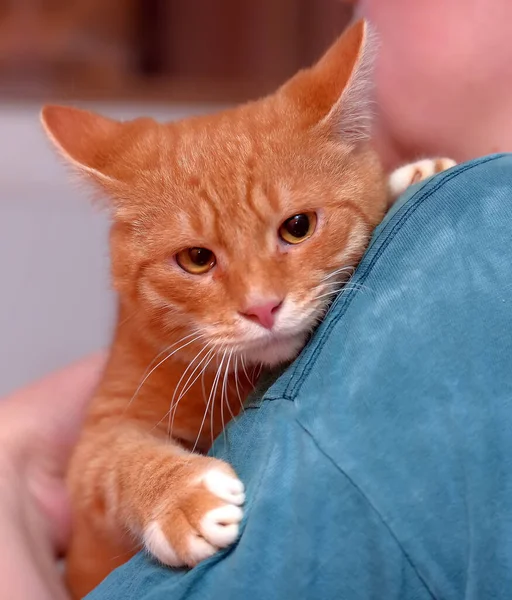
x=334 y=95
x=83 y=138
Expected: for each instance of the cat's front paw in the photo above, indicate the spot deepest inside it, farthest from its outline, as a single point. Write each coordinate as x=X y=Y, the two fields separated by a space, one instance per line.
x=198 y=519
x=414 y=172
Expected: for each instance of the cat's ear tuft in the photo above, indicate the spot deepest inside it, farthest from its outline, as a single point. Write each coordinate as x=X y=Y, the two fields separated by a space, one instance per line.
x=84 y=138
x=335 y=93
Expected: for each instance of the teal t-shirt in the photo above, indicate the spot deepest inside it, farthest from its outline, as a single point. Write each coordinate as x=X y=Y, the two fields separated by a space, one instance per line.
x=379 y=465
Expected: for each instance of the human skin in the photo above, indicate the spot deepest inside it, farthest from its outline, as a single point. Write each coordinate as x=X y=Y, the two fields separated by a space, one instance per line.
x=38 y=428
x=443 y=77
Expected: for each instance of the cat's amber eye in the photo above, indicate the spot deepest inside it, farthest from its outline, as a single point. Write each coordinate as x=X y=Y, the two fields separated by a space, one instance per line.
x=196 y=260
x=298 y=228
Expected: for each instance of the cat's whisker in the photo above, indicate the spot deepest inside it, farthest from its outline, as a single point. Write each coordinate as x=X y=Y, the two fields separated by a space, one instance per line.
x=174 y=405
x=167 y=357
x=189 y=365
x=244 y=369
x=167 y=348
x=256 y=375
x=326 y=295
x=223 y=396
x=328 y=291
x=341 y=287
x=236 y=384
x=332 y=283
x=186 y=337
x=173 y=408
x=214 y=397
x=345 y=288
x=208 y=357
x=233 y=416
x=203 y=387
x=212 y=393
x=356 y=286
x=134 y=549
x=346 y=269
x=128 y=318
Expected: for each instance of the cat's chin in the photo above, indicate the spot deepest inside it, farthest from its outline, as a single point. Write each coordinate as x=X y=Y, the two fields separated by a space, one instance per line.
x=275 y=351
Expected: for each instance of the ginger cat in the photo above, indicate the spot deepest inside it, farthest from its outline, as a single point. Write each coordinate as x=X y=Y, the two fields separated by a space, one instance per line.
x=230 y=235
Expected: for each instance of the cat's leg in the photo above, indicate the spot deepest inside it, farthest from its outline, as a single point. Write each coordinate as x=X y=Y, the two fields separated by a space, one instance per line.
x=401 y=178
x=182 y=507
x=94 y=552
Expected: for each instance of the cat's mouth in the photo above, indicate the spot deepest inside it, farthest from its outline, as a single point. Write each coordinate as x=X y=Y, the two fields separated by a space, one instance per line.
x=273 y=349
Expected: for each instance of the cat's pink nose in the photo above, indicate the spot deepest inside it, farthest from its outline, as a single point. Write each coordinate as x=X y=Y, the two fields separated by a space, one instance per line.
x=264 y=314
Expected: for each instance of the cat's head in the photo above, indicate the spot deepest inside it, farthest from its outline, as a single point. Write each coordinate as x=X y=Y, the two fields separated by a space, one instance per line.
x=236 y=228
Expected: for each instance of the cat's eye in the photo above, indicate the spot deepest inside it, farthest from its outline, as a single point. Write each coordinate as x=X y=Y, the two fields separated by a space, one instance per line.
x=298 y=228
x=196 y=260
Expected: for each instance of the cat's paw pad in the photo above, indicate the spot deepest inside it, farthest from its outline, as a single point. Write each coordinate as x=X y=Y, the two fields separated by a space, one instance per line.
x=200 y=519
x=405 y=176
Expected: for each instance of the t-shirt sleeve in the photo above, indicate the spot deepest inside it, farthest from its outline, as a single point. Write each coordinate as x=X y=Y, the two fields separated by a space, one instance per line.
x=308 y=533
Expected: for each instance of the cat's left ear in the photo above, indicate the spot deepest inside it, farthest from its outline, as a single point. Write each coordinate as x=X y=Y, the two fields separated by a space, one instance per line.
x=335 y=93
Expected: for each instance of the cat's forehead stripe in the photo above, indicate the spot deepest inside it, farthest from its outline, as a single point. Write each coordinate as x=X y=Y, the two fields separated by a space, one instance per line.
x=255 y=201
x=208 y=216
x=272 y=197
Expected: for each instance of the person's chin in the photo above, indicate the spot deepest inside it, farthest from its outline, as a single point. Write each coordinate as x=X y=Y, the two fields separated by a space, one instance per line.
x=276 y=350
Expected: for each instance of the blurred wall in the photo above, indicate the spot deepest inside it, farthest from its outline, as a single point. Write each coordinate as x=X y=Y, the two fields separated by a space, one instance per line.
x=160 y=49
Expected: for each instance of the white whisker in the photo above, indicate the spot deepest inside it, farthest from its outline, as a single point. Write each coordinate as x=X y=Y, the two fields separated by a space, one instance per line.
x=208 y=358
x=210 y=398
x=167 y=349
x=337 y=271
x=190 y=364
x=174 y=406
x=244 y=369
x=326 y=295
x=236 y=384
x=167 y=357
x=233 y=416
x=223 y=395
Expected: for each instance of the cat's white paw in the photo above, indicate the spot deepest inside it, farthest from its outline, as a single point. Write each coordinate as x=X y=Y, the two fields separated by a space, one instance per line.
x=414 y=172
x=157 y=544
x=226 y=487
x=200 y=520
x=220 y=526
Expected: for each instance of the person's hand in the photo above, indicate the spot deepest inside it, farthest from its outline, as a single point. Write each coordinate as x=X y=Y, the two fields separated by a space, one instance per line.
x=38 y=428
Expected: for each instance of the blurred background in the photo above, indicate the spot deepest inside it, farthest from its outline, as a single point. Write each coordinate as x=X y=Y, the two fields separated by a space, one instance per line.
x=163 y=58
